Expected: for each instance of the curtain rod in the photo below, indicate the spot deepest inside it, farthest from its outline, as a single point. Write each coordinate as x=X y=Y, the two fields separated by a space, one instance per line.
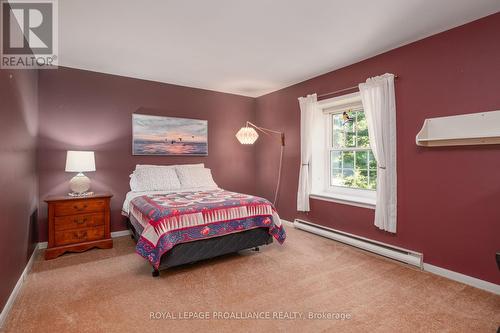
x=345 y=89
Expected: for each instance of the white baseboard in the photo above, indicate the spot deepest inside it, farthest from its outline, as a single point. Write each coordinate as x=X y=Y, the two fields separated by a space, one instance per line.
x=386 y=250
x=115 y=234
x=465 y=279
x=17 y=288
x=459 y=277
x=468 y=280
x=120 y=233
x=27 y=269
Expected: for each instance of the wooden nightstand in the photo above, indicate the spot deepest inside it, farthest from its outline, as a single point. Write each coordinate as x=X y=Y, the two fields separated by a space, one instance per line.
x=77 y=224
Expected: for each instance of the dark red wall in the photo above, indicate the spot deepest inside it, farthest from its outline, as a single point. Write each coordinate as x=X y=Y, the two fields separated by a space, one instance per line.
x=93 y=111
x=448 y=198
x=18 y=182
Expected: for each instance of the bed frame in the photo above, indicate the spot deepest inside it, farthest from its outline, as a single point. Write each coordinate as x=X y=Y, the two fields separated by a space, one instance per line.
x=191 y=252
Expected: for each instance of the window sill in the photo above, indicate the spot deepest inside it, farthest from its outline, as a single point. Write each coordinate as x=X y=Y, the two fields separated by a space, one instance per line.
x=345 y=199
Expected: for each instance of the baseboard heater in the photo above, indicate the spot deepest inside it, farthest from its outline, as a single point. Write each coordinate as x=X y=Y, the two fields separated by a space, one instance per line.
x=386 y=250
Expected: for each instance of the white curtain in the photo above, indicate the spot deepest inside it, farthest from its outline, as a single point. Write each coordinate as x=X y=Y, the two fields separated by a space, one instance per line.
x=307 y=112
x=379 y=104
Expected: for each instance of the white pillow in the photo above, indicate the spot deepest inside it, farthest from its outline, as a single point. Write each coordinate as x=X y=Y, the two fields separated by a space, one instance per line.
x=195 y=177
x=199 y=165
x=133 y=179
x=155 y=179
x=133 y=183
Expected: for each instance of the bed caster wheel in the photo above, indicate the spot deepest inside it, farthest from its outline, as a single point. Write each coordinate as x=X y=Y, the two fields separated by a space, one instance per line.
x=256 y=249
x=155 y=273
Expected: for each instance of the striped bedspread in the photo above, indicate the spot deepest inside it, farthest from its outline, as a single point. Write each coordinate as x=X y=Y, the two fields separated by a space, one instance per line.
x=170 y=219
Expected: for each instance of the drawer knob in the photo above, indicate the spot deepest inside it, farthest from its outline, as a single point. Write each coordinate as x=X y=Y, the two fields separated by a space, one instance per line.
x=82 y=221
x=80 y=235
x=79 y=208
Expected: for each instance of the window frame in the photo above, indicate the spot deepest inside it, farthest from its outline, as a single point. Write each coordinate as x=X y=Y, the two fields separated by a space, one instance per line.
x=341 y=194
x=331 y=148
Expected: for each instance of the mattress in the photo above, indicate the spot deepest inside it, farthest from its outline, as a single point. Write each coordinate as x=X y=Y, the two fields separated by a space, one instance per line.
x=168 y=219
x=185 y=253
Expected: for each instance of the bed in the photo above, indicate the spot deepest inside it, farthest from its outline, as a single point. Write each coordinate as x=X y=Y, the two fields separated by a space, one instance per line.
x=195 y=219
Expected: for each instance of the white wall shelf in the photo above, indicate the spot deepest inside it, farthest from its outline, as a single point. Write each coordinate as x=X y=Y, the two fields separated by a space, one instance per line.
x=461 y=130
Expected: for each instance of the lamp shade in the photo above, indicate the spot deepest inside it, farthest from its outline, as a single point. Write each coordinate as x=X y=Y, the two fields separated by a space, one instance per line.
x=80 y=161
x=247 y=135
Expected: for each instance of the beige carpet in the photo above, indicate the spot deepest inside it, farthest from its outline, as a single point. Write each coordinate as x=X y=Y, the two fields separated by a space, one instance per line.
x=113 y=291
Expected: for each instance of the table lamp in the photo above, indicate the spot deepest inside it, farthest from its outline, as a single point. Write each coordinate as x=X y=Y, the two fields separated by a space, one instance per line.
x=80 y=161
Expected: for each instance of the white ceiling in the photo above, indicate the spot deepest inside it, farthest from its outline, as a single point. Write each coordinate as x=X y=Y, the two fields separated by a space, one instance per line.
x=246 y=47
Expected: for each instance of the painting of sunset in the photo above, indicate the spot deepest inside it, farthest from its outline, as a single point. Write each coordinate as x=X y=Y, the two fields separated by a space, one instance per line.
x=156 y=135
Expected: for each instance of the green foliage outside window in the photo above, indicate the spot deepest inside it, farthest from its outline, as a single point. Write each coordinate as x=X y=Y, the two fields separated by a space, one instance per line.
x=351 y=159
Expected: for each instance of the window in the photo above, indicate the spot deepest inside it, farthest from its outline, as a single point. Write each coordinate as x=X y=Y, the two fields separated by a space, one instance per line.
x=351 y=160
x=343 y=166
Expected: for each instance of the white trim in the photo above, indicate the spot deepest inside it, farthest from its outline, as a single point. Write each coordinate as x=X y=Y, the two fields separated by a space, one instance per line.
x=328 y=162
x=120 y=233
x=465 y=279
x=17 y=288
x=455 y=276
x=357 y=201
x=27 y=269
x=321 y=165
x=340 y=101
x=114 y=234
x=383 y=249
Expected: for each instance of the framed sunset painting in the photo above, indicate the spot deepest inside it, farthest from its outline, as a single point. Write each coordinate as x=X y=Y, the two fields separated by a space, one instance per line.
x=157 y=135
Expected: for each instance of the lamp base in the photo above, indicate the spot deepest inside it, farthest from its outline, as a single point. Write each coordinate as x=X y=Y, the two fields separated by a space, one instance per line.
x=84 y=194
x=79 y=184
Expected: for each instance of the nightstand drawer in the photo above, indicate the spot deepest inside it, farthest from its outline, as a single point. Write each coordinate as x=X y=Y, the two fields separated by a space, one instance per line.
x=78 y=224
x=78 y=221
x=79 y=235
x=79 y=207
